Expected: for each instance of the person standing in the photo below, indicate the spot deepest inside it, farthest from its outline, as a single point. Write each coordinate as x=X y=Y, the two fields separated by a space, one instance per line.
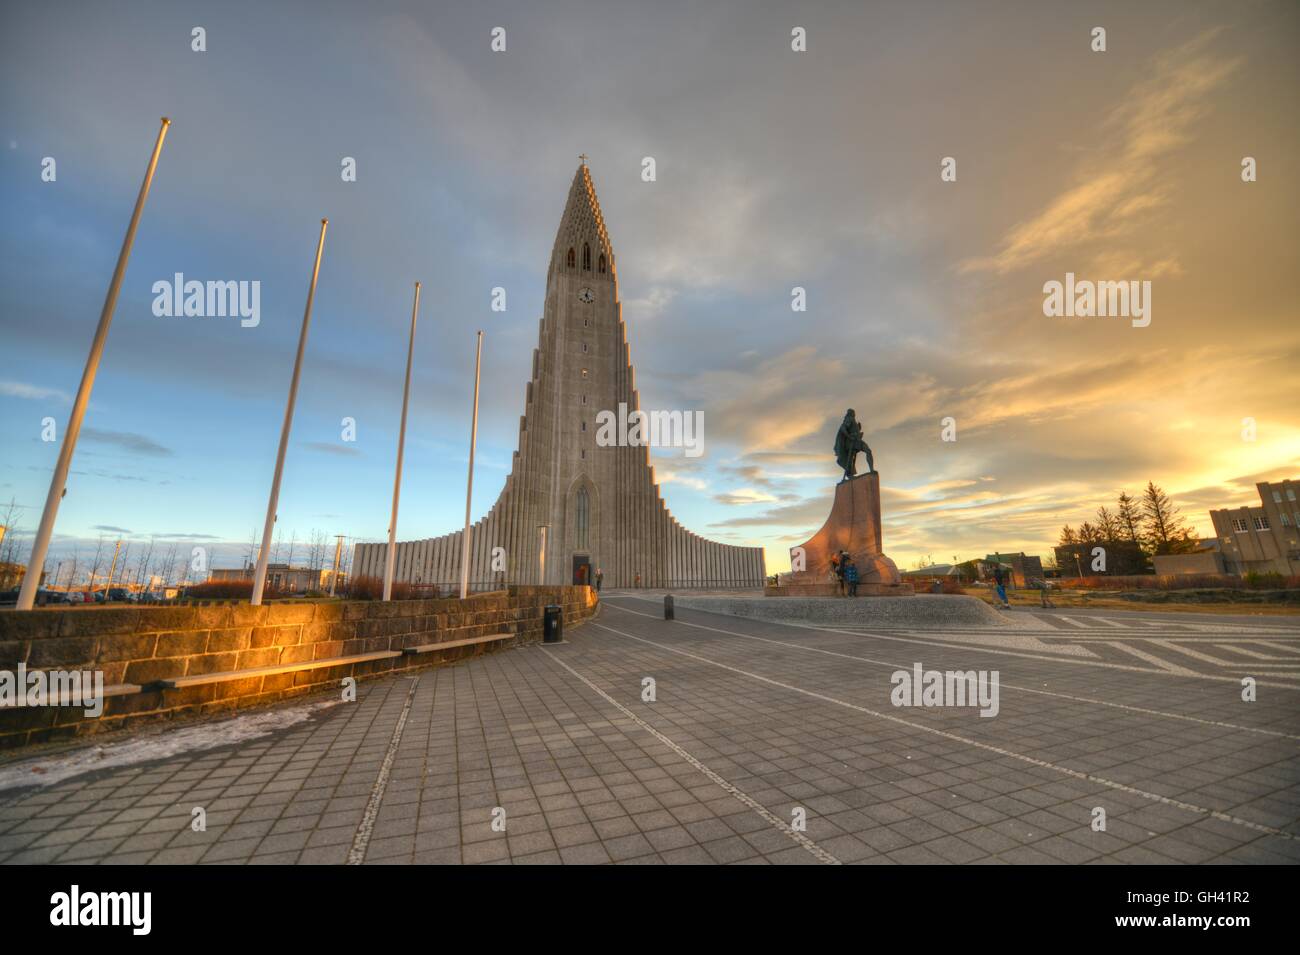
x=851 y=576
x=1000 y=581
x=600 y=576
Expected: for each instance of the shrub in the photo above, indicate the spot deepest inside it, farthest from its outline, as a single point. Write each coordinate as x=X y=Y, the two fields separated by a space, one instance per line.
x=241 y=589
x=219 y=589
x=1270 y=580
x=372 y=588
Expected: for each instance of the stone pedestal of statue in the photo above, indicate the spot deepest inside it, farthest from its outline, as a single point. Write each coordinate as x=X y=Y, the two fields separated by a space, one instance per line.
x=853 y=526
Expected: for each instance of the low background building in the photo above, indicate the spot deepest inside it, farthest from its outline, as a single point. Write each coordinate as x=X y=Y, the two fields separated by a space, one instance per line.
x=1024 y=569
x=1262 y=539
x=1123 y=559
x=283 y=578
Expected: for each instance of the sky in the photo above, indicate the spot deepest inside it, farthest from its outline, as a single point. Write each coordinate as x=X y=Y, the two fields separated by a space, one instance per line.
x=775 y=169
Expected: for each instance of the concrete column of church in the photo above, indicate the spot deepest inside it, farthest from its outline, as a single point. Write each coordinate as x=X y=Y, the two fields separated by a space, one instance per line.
x=477 y=543
x=507 y=531
x=661 y=551
x=677 y=551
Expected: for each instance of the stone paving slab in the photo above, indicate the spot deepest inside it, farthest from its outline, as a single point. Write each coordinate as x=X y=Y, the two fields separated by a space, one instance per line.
x=545 y=755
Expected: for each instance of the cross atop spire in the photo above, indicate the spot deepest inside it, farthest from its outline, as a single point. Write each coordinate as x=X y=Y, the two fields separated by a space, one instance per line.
x=583 y=157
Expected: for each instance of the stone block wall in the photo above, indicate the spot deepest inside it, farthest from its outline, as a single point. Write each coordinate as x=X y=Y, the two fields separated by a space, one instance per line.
x=143 y=645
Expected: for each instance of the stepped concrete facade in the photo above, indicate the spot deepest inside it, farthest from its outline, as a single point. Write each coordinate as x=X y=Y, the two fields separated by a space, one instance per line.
x=601 y=506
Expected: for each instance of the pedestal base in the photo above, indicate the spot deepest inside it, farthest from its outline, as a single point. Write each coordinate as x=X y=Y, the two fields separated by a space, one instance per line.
x=853 y=526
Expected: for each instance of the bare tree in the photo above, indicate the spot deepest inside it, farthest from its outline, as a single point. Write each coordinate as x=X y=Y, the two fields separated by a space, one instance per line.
x=126 y=552
x=169 y=565
x=99 y=556
x=142 y=568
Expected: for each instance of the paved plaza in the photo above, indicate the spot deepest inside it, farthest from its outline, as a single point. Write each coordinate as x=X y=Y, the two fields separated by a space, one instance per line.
x=765 y=742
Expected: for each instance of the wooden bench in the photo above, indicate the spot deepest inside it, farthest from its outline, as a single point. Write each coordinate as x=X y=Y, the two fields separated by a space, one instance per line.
x=226 y=676
x=65 y=699
x=448 y=644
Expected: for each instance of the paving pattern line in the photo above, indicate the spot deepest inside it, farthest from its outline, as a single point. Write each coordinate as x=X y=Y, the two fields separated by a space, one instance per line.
x=1010 y=686
x=775 y=821
x=1148 y=657
x=874 y=633
x=357 y=854
x=988 y=747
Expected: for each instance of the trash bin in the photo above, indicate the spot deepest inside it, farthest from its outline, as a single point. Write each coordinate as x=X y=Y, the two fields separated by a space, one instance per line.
x=553 y=624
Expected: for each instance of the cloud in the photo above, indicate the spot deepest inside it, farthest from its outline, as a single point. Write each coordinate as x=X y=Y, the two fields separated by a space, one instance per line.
x=110 y=529
x=326 y=447
x=126 y=441
x=1111 y=196
x=744 y=495
x=19 y=389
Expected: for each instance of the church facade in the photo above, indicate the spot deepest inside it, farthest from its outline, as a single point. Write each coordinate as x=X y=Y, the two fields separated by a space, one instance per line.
x=600 y=505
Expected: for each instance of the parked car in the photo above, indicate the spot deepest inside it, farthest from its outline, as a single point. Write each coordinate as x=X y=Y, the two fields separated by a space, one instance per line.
x=8 y=598
x=74 y=597
x=118 y=593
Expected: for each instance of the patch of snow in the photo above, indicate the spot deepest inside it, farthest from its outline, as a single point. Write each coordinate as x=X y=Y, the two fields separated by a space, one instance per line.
x=152 y=744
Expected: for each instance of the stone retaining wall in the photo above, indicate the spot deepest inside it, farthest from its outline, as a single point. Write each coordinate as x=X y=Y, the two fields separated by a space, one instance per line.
x=143 y=645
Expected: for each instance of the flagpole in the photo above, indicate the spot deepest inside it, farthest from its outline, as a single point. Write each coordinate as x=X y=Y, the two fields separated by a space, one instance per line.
x=58 y=483
x=391 y=562
x=469 y=486
x=264 y=555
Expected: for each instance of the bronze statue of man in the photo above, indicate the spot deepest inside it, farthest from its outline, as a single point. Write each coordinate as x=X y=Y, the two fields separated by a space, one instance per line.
x=848 y=442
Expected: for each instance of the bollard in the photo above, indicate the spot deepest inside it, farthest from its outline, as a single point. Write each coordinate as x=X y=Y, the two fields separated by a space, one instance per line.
x=552 y=624
x=668 y=606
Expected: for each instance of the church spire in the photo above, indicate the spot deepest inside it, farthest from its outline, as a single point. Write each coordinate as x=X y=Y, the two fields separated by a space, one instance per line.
x=582 y=226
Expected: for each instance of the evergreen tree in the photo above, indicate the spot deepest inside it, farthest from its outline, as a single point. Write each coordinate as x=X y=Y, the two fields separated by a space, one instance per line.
x=1068 y=536
x=1107 y=525
x=1129 y=518
x=1166 y=531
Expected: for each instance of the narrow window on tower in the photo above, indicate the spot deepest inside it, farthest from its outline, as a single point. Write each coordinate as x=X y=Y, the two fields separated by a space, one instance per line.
x=584 y=375
x=602 y=264
x=586 y=257
x=584 y=426
x=572 y=261
x=582 y=517
x=584 y=346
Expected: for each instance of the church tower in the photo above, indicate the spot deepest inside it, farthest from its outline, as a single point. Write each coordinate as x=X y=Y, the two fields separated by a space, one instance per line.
x=600 y=506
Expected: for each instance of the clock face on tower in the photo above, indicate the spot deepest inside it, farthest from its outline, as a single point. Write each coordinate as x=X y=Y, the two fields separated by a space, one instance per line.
x=586 y=295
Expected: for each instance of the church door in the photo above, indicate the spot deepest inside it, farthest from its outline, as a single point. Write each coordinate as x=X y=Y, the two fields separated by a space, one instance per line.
x=581 y=570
